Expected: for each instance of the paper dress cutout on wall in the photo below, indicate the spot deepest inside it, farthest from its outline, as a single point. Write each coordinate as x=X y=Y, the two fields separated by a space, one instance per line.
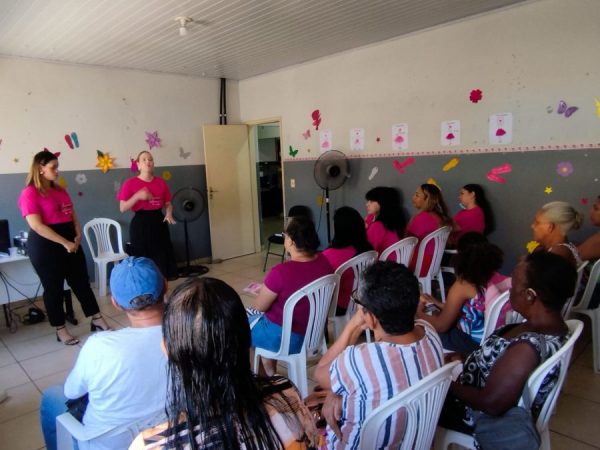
x=450 y=133
x=400 y=137
x=500 y=129
x=325 y=141
x=357 y=139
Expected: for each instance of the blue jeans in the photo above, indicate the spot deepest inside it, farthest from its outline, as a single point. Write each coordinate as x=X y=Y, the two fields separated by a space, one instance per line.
x=52 y=405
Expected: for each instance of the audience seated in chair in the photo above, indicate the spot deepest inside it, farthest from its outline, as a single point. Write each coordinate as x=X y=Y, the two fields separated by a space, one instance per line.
x=475 y=214
x=122 y=372
x=363 y=376
x=589 y=250
x=214 y=399
x=305 y=265
x=460 y=320
x=494 y=375
x=384 y=222
x=349 y=240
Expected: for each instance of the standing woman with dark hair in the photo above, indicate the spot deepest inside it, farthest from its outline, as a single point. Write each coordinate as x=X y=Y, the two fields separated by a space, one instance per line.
x=146 y=195
x=305 y=265
x=215 y=401
x=54 y=245
x=475 y=215
x=384 y=221
x=432 y=214
x=349 y=240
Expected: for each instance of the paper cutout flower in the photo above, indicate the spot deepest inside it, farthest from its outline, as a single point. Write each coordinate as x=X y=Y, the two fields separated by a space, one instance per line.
x=532 y=245
x=584 y=201
x=548 y=190
x=81 y=178
x=152 y=139
x=105 y=161
x=476 y=95
x=564 y=169
x=166 y=175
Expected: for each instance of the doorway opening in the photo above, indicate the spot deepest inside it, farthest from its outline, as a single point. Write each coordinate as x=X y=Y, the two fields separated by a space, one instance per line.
x=269 y=180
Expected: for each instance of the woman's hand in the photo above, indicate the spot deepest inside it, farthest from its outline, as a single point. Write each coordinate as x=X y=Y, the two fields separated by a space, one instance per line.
x=71 y=247
x=332 y=412
x=77 y=242
x=169 y=219
x=144 y=194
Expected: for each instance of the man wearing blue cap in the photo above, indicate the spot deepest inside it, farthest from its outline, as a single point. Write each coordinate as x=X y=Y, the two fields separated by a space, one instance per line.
x=123 y=372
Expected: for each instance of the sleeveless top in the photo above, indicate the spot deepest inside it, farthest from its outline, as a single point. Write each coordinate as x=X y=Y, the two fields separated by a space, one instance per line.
x=472 y=318
x=573 y=251
x=479 y=364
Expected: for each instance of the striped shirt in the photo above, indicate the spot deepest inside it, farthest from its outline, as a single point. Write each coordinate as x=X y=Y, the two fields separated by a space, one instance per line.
x=367 y=375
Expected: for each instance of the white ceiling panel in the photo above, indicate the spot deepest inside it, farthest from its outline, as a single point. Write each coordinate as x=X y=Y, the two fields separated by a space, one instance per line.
x=228 y=39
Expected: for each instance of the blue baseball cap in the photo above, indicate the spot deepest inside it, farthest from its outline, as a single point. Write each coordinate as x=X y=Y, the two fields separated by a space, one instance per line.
x=136 y=283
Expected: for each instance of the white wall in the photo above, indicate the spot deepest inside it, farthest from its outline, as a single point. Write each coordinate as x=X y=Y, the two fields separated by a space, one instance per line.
x=524 y=59
x=109 y=109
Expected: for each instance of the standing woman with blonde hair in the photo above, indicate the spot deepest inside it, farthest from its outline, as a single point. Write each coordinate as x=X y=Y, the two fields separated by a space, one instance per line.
x=432 y=214
x=54 y=245
x=146 y=195
x=552 y=223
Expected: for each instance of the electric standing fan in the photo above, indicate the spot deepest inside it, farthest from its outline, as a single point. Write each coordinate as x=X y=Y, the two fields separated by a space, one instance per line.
x=331 y=172
x=188 y=205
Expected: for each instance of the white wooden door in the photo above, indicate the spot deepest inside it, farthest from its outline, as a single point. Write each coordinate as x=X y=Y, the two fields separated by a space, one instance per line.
x=229 y=185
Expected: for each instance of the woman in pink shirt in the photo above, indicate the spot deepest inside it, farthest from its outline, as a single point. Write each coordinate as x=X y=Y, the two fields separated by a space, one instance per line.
x=349 y=240
x=54 y=245
x=384 y=221
x=475 y=215
x=433 y=214
x=146 y=195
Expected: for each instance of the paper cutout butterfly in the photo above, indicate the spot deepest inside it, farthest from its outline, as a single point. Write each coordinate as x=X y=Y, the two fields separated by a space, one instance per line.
x=494 y=174
x=566 y=110
x=183 y=154
x=306 y=134
x=400 y=166
x=293 y=152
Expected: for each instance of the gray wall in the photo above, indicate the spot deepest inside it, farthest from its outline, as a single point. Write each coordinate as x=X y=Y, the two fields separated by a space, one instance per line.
x=98 y=199
x=514 y=203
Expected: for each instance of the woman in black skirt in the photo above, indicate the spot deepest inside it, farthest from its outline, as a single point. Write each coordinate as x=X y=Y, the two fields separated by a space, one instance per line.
x=54 y=245
x=146 y=195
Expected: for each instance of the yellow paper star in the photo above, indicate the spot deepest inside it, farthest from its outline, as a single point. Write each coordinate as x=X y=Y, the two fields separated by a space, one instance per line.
x=532 y=245
x=105 y=162
x=548 y=190
x=432 y=181
x=166 y=175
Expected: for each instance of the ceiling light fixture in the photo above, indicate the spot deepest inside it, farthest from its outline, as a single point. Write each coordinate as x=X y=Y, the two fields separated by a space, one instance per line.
x=183 y=23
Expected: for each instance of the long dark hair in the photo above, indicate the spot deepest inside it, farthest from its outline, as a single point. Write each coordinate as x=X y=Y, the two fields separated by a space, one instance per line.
x=434 y=202
x=477 y=259
x=212 y=388
x=482 y=201
x=390 y=211
x=349 y=230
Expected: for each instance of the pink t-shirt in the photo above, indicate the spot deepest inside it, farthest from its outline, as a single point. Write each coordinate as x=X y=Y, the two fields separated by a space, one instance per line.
x=423 y=223
x=337 y=257
x=468 y=220
x=159 y=189
x=378 y=235
x=286 y=278
x=55 y=206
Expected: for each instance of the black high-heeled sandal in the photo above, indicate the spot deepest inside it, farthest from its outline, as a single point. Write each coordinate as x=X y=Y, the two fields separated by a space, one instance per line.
x=94 y=327
x=70 y=341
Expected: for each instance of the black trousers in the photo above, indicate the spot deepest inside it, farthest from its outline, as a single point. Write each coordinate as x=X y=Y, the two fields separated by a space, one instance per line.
x=150 y=237
x=54 y=265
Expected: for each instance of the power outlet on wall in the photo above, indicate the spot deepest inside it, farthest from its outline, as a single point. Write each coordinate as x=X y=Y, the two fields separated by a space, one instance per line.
x=292 y=183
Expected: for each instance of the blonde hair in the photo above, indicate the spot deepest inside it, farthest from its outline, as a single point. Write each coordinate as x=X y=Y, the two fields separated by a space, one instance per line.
x=434 y=202
x=34 y=177
x=563 y=215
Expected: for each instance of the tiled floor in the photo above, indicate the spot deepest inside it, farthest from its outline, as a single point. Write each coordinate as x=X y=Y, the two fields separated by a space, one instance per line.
x=31 y=360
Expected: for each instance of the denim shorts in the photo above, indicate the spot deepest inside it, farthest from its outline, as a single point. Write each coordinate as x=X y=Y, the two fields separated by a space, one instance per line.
x=267 y=335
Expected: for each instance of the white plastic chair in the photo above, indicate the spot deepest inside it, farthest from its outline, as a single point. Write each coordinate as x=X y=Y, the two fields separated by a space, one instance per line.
x=583 y=307
x=492 y=314
x=104 y=252
x=444 y=437
x=422 y=403
x=358 y=264
x=320 y=295
x=439 y=238
x=566 y=310
x=117 y=438
x=403 y=250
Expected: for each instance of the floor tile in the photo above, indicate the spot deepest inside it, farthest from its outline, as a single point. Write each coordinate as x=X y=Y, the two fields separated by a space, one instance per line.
x=21 y=400
x=6 y=357
x=31 y=348
x=12 y=375
x=22 y=433
x=560 y=442
x=577 y=418
x=582 y=382
x=50 y=363
x=51 y=380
